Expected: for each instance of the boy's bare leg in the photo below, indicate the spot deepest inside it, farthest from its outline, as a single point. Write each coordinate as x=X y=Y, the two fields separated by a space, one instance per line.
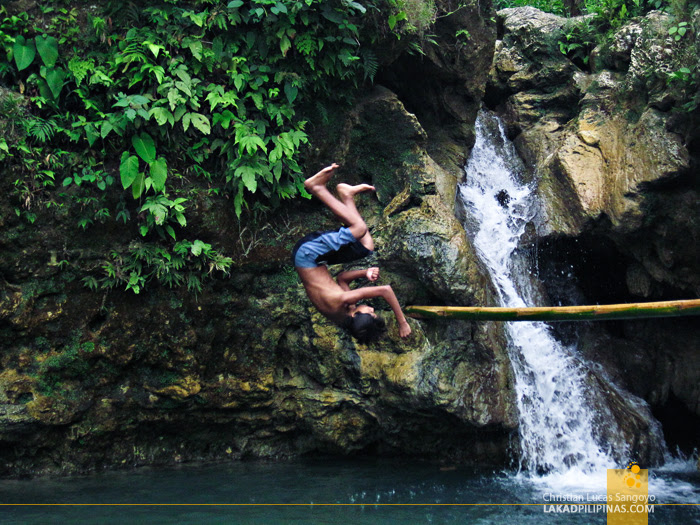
x=347 y=196
x=347 y=213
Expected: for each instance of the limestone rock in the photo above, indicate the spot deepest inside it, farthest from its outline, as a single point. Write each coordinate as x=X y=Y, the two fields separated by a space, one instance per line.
x=432 y=233
x=608 y=163
x=444 y=85
x=184 y=388
x=600 y=162
x=653 y=50
x=530 y=30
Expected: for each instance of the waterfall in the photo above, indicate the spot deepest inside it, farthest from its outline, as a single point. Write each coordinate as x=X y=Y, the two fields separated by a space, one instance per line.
x=559 y=428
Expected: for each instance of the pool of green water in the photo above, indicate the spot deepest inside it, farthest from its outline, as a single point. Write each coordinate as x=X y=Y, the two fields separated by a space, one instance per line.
x=319 y=491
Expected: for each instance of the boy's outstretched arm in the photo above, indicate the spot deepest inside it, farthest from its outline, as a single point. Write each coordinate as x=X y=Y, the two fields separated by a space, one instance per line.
x=345 y=278
x=385 y=291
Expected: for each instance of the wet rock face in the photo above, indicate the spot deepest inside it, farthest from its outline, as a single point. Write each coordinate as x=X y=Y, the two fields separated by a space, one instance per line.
x=608 y=148
x=615 y=166
x=248 y=367
x=443 y=86
x=528 y=79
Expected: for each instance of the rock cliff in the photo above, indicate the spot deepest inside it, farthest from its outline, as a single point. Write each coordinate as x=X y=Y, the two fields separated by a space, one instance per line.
x=614 y=158
x=247 y=367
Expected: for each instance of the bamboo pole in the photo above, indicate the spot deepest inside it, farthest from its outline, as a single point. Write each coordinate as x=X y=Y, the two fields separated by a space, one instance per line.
x=559 y=313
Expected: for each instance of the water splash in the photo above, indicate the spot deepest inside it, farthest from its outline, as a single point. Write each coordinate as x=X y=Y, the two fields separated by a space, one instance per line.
x=557 y=424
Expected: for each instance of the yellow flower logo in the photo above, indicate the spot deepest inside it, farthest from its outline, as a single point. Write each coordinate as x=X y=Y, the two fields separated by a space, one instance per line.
x=632 y=477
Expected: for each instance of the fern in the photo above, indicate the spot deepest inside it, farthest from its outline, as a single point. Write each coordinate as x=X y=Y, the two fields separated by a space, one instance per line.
x=306 y=44
x=181 y=73
x=323 y=112
x=132 y=53
x=80 y=68
x=194 y=283
x=414 y=48
x=370 y=64
x=40 y=129
x=131 y=12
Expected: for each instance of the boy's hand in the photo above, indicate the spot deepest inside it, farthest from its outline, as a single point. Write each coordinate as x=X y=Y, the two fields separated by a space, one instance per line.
x=404 y=329
x=372 y=274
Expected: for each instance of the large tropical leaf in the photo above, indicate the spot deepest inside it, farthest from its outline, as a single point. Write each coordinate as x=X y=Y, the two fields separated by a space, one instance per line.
x=128 y=169
x=138 y=185
x=144 y=146
x=47 y=46
x=24 y=52
x=55 y=78
x=159 y=173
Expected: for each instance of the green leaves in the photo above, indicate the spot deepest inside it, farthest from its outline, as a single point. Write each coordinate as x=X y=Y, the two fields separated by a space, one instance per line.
x=24 y=52
x=678 y=31
x=55 y=79
x=138 y=185
x=198 y=120
x=80 y=68
x=159 y=173
x=184 y=90
x=144 y=146
x=52 y=78
x=162 y=116
x=128 y=169
x=249 y=177
x=47 y=46
x=162 y=211
x=334 y=16
x=224 y=119
x=291 y=92
x=396 y=18
x=250 y=144
x=130 y=172
x=199 y=246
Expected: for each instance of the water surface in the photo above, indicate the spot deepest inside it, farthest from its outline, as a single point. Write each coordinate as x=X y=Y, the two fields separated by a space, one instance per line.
x=363 y=492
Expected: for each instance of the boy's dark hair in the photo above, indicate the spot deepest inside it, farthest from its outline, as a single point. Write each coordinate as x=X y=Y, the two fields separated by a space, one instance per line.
x=365 y=328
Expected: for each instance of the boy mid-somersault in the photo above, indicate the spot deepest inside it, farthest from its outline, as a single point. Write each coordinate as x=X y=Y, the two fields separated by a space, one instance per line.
x=334 y=298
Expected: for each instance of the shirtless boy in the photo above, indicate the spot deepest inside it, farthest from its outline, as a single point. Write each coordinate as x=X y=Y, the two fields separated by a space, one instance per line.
x=334 y=298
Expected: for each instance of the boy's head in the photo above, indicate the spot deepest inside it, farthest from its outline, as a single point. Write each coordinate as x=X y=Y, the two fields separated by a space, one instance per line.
x=365 y=327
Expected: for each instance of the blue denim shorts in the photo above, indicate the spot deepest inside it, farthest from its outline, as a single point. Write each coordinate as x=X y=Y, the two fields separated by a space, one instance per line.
x=331 y=247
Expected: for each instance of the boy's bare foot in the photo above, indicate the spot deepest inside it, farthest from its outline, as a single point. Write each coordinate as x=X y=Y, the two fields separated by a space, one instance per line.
x=320 y=179
x=345 y=191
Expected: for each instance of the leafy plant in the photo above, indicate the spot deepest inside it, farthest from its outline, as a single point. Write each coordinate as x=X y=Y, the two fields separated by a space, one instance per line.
x=579 y=39
x=688 y=82
x=411 y=16
x=72 y=363
x=130 y=171
x=187 y=264
x=169 y=98
x=161 y=212
x=549 y=6
x=462 y=34
x=678 y=31
x=51 y=79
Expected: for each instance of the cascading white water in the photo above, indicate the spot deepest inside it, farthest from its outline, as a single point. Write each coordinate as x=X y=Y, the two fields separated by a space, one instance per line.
x=556 y=424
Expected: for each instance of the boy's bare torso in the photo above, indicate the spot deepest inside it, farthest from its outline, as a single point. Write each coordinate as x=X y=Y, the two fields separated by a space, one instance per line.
x=324 y=292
